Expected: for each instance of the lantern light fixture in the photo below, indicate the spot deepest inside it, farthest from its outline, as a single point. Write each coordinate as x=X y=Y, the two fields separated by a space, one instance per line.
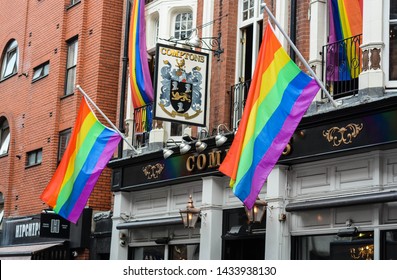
x=257 y=212
x=190 y=215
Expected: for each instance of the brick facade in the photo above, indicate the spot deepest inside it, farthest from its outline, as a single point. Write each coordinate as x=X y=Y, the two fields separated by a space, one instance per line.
x=38 y=111
x=223 y=70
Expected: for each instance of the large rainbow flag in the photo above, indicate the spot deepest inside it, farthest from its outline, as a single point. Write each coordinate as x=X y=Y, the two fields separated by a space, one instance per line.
x=279 y=95
x=141 y=82
x=345 y=21
x=90 y=148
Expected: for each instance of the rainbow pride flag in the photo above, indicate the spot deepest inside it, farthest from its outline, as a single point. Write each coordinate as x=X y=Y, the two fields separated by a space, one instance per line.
x=90 y=148
x=141 y=82
x=345 y=21
x=279 y=96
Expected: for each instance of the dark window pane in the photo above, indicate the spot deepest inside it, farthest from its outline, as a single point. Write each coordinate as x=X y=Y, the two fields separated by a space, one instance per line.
x=393 y=52
x=393 y=9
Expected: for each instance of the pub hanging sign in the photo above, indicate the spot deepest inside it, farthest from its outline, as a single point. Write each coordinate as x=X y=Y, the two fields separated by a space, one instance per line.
x=181 y=78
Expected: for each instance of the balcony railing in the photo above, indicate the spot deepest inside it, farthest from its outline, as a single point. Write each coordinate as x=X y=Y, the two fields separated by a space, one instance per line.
x=341 y=63
x=239 y=94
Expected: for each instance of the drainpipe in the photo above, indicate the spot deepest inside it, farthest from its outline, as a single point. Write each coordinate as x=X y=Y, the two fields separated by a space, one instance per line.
x=293 y=28
x=124 y=75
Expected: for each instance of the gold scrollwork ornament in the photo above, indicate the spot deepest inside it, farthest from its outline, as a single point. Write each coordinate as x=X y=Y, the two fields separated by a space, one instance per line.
x=153 y=171
x=345 y=135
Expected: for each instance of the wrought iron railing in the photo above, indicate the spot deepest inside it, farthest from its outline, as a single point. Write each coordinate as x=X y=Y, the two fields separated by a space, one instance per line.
x=341 y=63
x=239 y=94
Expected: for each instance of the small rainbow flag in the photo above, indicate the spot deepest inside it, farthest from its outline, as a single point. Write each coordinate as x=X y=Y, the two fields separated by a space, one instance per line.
x=141 y=82
x=345 y=21
x=89 y=150
x=279 y=96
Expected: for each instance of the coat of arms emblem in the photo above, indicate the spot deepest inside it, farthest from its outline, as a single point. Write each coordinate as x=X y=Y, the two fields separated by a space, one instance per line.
x=180 y=93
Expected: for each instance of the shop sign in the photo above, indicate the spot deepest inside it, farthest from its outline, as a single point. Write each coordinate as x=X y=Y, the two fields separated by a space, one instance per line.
x=21 y=230
x=181 y=85
x=175 y=168
x=53 y=225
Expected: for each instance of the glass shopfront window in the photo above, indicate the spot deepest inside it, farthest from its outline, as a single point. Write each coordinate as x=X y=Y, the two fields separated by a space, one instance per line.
x=165 y=252
x=148 y=253
x=184 y=252
x=389 y=245
x=334 y=247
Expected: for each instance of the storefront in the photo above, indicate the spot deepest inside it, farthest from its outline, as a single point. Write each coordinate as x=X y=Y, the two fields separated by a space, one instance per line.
x=340 y=191
x=332 y=195
x=45 y=236
x=22 y=238
x=150 y=191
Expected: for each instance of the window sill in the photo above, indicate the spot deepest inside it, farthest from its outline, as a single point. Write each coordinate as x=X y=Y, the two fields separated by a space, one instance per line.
x=39 y=78
x=33 y=165
x=3 y=155
x=8 y=77
x=67 y=95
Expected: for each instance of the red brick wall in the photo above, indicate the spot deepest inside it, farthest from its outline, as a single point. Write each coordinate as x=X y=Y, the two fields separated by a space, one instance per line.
x=223 y=71
x=302 y=30
x=35 y=111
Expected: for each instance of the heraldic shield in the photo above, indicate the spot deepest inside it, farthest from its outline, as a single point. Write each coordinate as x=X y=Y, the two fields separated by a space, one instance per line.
x=181 y=96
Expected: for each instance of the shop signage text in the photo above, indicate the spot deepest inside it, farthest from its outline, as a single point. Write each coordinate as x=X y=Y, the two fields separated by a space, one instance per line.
x=27 y=230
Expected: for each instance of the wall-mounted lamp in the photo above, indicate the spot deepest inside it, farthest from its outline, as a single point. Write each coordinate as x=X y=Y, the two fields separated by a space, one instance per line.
x=257 y=212
x=184 y=147
x=168 y=152
x=190 y=214
x=201 y=146
x=220 y=139
x=123 y=239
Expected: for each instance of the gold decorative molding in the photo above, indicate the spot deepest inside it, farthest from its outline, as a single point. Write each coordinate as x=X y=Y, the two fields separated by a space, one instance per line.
x=343 y=135
x=153 y=171
x=287 y=149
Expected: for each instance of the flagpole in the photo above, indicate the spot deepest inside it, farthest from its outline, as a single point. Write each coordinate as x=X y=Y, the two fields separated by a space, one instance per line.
x=303 y=60
x=106 y=118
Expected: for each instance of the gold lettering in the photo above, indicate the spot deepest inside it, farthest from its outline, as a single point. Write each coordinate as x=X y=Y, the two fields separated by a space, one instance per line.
x=201 y=161
x=215 y=159
x=182 y=54
x=190 y=163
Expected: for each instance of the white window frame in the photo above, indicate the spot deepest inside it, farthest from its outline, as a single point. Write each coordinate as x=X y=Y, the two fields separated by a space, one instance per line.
x=386 y=58
x=258 y=16
x=41 y=71
x=4 y=136
x=168 y=125
x=188 y=30
x=71 y=65
x=38 y=157
x=9 y=62
x=165 y=12
x=64 y=138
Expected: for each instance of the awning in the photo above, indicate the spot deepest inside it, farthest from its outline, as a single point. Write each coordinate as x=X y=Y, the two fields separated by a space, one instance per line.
x=25 y=252
x=345 y=201
x=151 y=223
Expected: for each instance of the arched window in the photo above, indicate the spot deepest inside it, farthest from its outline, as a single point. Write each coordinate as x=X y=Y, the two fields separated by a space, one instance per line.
x=4 y=136
x=9 y=62
x=183 y=25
